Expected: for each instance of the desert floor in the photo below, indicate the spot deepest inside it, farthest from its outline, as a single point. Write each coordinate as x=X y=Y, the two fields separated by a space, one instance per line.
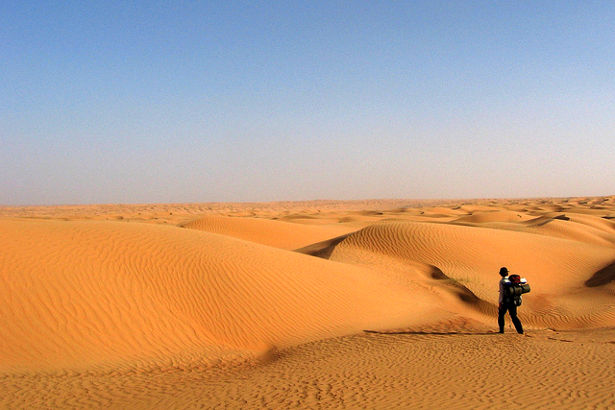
x=316 y=304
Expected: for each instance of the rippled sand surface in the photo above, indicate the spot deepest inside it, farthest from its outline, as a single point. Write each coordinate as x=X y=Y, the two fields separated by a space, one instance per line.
x=373 y=304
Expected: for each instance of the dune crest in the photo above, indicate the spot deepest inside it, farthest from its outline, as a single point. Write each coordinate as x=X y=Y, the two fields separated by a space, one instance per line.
x=279 y=234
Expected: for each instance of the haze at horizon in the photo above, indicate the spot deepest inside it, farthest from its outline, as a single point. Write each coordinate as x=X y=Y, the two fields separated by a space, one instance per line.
x=254 y=101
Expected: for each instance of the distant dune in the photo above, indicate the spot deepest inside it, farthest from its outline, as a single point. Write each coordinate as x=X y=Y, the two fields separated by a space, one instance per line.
x=493 y=216
x=373 y=304
x=279 y=234
x=472 y=256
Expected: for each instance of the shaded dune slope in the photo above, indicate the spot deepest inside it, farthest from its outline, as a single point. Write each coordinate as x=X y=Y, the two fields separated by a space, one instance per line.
x=79 y=294
x=322 y=249
x=279 y=234
x=604 y=276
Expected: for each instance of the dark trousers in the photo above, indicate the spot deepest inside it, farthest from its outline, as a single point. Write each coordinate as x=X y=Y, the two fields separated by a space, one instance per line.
x=512 y=311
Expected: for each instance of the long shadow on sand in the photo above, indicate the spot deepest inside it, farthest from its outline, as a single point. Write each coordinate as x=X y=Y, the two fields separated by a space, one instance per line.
x=432 y=333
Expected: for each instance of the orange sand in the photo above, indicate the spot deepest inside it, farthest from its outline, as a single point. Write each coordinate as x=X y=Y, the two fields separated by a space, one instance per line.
x=372 y=304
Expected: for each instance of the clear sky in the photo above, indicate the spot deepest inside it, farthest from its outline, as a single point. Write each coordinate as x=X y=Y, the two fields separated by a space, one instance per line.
x=132 y=102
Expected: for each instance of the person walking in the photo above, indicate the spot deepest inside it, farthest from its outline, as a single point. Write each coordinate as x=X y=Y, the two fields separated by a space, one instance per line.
x=506 y=303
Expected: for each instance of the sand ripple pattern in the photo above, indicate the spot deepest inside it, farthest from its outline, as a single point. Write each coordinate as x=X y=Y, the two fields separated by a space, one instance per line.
x=557 y=268
x=548 y=369
x=80 y=294
x=120 y=306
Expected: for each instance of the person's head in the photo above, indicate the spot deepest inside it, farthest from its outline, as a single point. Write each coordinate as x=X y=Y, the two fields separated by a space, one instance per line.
x=504 y=271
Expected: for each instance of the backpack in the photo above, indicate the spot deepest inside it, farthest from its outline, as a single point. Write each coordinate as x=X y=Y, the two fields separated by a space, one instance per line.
x=517 y=287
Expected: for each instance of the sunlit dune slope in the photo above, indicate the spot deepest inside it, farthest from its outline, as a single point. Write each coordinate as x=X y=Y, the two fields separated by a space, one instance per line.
x=78 y=294
x=280 y=234
x=493 y=216
x=578 y=227
x=557 y=268
x=477 y=253
x=582 y=228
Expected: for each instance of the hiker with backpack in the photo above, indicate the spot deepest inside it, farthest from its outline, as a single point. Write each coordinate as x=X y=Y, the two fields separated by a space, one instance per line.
x=511 y=289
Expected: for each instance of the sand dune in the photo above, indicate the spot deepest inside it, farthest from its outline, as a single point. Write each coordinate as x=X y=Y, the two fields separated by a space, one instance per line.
x=582 y=228
x=557 y=268
x=93 y=293
x=205 y=305
x=279 y=234
x=569 y=227
x=476 y=254
x=493 y=216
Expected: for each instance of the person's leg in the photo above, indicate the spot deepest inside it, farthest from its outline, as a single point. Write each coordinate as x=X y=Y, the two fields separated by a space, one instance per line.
x=501 y=313
x=512 y=311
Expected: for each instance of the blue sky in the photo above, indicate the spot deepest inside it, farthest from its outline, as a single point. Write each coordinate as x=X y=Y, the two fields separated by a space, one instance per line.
x=105 y=102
